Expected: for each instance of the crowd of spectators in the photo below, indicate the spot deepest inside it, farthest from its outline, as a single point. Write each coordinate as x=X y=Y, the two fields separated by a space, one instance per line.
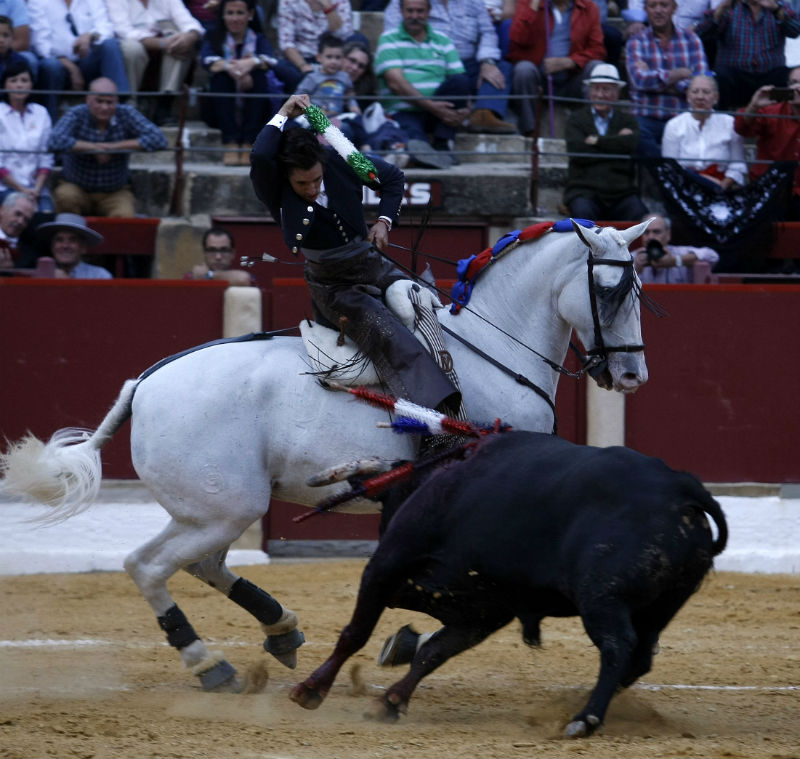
x=700 y=77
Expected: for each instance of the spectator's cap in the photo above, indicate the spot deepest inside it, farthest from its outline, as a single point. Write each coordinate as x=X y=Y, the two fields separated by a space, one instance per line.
x=72 y=222
x=605 y=73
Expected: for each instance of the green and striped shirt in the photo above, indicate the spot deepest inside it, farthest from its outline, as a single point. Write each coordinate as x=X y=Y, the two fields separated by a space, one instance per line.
x=424 y=64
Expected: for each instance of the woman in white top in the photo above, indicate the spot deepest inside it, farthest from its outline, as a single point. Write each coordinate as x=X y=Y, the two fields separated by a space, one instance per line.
x=704 y=141
x=25 y=164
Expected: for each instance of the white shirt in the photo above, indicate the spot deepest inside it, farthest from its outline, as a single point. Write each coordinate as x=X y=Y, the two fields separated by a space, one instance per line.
x=27 y=131
x=12 y=241
x=697 y=147
x=132 y=21
x=51 y=34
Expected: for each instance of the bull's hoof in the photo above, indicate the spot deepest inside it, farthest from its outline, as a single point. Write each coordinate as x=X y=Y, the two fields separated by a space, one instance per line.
x=307 y=694
x=284 y=647
x=580 y=728
x=383 y=710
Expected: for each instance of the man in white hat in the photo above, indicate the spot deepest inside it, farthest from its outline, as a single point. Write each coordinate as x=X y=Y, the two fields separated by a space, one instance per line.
x=69 y=238
x=600 y=187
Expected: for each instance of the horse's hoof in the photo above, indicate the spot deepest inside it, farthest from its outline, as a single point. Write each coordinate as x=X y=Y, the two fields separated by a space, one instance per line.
x=284 y=647
x=307 y=695
x=221 y=678
x=580 y=728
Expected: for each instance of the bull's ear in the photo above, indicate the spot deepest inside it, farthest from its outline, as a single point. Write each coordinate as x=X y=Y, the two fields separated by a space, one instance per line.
x=630 y=234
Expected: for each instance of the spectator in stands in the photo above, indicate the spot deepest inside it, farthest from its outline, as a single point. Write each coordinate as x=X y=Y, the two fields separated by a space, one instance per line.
x=238 y=59
x=329 y=87
x=300 y=25
x=219 y=253
x=75 y=43
x=205 y=11
x=751 y=36
x=377 y=131
x=96 y=140
x=661 y=60
x=17 y=12
x=613 y=39
x=16 y=213
x=358 y=65
x=69 y=237
x=469 y=26
x=7 y=53
x=559 y=49
x=418 y=63
x=599 y=185
x=24 y=133
x=776 y=129
x=660 y=262
x=688 y=15
x=163 y=30
x=704 y=141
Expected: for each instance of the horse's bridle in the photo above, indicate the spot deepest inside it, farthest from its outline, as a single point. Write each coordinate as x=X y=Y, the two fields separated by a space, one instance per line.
x=595 y=361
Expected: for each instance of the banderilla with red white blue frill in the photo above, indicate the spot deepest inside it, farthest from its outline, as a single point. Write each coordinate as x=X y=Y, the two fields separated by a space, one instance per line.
x=411 y=418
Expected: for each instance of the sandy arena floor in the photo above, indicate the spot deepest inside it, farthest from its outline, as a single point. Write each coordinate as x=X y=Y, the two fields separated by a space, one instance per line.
x=86 y=673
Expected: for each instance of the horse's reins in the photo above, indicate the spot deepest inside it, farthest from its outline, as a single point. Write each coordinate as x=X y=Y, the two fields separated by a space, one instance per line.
x=594 y=362
x=588 y=363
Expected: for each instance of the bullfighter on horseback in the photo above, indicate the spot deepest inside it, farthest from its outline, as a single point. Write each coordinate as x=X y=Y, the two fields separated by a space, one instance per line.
x=316 y=197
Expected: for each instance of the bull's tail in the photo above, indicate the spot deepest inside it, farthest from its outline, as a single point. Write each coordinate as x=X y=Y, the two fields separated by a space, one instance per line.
x=709 y=504
x=65 y=472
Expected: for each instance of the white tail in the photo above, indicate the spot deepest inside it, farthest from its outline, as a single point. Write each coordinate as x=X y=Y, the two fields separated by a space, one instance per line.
x=65 y=472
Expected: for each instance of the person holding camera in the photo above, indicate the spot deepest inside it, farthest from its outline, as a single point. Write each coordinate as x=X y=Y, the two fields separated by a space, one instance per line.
x=661 y=263
x=774 y=122
x=750 y=38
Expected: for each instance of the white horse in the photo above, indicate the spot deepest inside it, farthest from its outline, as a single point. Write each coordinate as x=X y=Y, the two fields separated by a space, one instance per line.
x=217 y=432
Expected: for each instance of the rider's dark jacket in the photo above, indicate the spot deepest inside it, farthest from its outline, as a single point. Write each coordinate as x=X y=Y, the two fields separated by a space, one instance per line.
x=346 y=274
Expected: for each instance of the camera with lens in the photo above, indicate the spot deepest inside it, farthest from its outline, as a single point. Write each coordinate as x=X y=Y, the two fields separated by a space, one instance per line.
x=654 y=250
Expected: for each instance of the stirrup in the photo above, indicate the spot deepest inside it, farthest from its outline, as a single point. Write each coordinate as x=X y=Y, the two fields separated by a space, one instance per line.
x=399 y=648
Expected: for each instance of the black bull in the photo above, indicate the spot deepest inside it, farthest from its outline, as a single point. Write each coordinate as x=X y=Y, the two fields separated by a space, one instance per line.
x=531 y=526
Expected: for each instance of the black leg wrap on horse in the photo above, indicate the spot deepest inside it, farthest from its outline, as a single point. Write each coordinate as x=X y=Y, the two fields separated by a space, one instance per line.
x=258 y=602
x=179 y=632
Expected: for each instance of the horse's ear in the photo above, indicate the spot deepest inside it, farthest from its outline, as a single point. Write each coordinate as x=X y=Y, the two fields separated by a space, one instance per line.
x=581 y=232
x=630 y=234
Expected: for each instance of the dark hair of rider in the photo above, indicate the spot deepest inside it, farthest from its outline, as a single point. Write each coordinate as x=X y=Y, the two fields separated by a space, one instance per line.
x=300 y=149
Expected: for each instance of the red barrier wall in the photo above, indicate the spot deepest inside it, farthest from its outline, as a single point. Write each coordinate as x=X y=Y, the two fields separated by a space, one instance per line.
x=67 y=347
x=722 y=397
x=720 y=400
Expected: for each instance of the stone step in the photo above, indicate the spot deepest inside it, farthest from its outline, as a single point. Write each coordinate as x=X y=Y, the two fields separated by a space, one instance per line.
x=202 y=144
x=471 y=189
